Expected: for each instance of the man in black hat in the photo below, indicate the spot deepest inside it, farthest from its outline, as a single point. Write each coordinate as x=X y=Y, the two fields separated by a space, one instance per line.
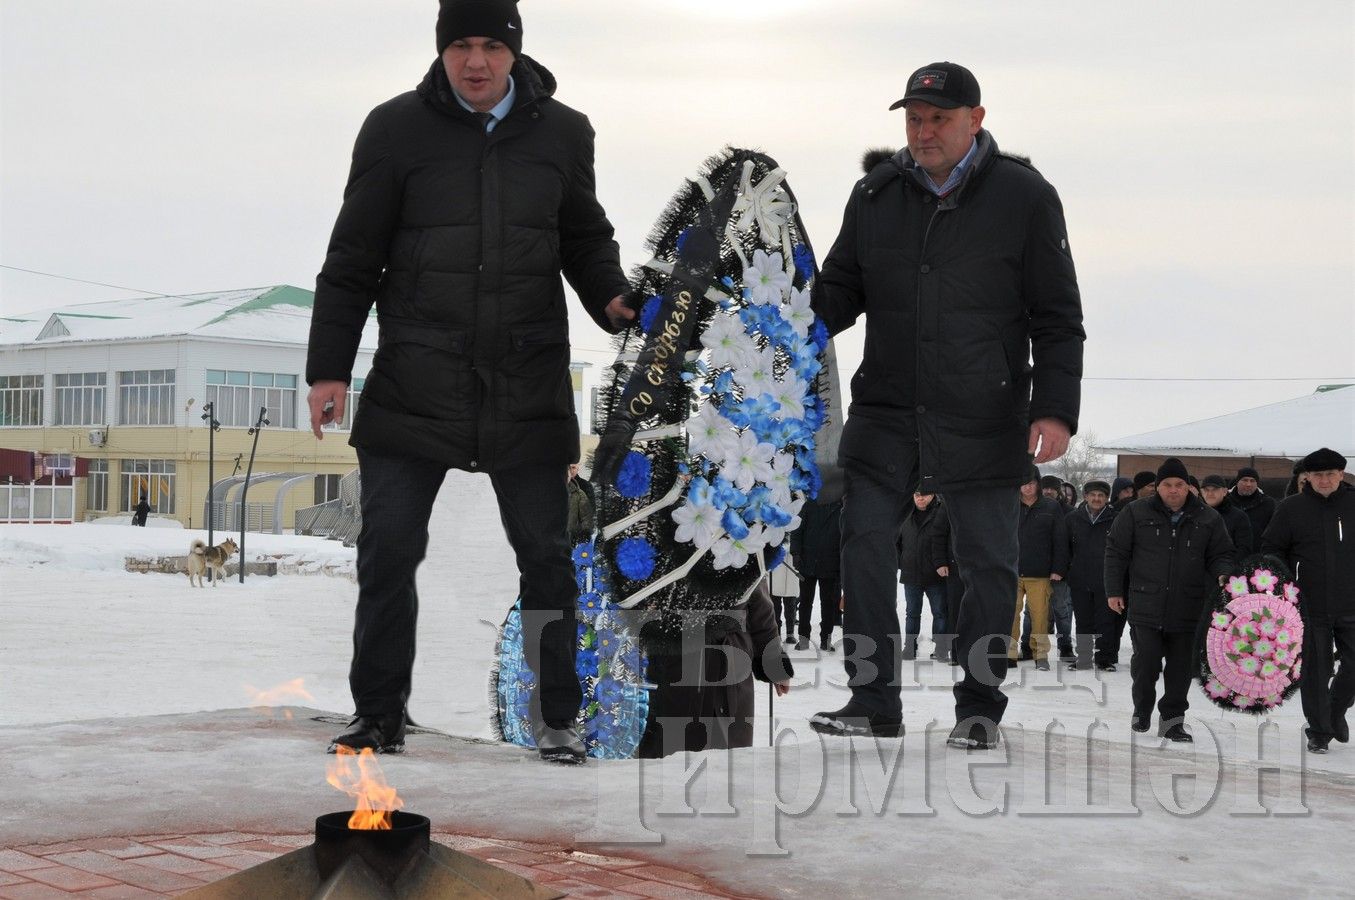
x=1214 y=491
x=1098 y=626
x=1145 y=485
x=1308 y=533
x=957 y=255
x=1248 y=497
x=466 y=200
x=1174 y=552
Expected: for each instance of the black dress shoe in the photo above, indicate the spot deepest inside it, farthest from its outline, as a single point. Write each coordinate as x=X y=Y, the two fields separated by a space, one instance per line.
x=1178 y=734
x=790 y=639
x=826 y=645
x=974 y=735
x=559 y=743
x=856 y=720
x=380 y=734
x=1108 y=667
x=1340 y=728
x=1140 y=723
x=1318 y=744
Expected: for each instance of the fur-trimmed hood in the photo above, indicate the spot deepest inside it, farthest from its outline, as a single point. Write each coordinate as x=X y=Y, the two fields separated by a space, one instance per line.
x=873 y=156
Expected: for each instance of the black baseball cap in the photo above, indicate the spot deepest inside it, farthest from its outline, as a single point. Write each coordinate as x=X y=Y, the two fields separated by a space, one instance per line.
x=1214 y=481
x=942 y=84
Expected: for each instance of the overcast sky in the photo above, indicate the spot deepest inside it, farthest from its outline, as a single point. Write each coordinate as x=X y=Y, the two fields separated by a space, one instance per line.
x=1204 y=149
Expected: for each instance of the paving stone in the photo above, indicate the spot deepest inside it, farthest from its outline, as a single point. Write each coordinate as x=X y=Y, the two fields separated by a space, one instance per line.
x=196 y=850
x=127 y=871
x=499 y=853
x=122 y=892
x=69 y=879
x=261 y=845
x=184 y=865
x=18 y=861
x=672 y=876
x=228 y=837
x=122 y=848
x=10 y=878
x=590 y=891
x=463 y=842
x=661 y=890
x=600 y=877
x=537 y=875
x=244 y=860
x=47 y=849
x=601 y=861
x=33 y=891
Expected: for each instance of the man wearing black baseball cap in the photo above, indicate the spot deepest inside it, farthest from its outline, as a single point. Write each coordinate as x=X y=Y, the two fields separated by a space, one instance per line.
x=957 y=255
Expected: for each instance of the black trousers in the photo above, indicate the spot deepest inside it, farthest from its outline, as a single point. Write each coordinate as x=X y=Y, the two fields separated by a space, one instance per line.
x=397 y=500
x=1098 y=628
x=785 y=607
x=829 y=591
x=1326 y=697
x=984 y=525
x=1167 y=653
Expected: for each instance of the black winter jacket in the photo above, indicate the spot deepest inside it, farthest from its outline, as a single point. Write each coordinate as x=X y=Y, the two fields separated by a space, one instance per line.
x=1087 y=547
x=1239 y=527
x=816 y=545
x=958 y=293
x=1259 y=509
x=1044 y=539
x=1308 y=533
x=1172 y=570
x=459 y=237
x=920 y=551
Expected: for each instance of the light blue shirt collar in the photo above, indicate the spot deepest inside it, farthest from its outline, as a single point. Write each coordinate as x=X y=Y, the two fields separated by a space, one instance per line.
x=956 y=173
x=498 y=113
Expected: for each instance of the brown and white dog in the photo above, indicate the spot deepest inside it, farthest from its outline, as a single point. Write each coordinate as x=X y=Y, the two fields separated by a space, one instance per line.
x=202 y=558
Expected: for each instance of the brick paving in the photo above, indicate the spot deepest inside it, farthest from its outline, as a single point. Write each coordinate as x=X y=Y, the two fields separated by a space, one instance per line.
x=135 y=867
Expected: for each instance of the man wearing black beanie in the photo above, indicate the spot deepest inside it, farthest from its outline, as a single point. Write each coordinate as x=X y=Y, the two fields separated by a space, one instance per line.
x=1248 y=497
x=466 y=201
x=1308 y=532
x=1172 y=550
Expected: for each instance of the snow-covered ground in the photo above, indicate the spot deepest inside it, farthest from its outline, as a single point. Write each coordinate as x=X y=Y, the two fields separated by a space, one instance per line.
x=82 y=640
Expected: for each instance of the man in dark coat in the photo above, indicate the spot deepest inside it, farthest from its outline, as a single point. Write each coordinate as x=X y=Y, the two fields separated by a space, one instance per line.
x=1308 y=533
x=1145 y=485
x=141 y=511
x=1214 y=491
x=957 y=255
x=1061 y=600
x=816 y=548
x=1043 y=539
x=1248 y=497
x=582 y=505
x=921 y=573
x=1098 y=626
x=1174 y=550
x=466 y=200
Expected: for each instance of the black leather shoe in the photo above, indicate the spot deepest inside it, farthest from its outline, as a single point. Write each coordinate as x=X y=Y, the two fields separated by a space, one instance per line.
x=1318 y=744
x=1140 y=723
x=560 y=743
x=826 y=645
x=855 y=719
x=1178 y=734
x=1108 y=667
x=974 y=735
x=380 y=734
x=1340 y=728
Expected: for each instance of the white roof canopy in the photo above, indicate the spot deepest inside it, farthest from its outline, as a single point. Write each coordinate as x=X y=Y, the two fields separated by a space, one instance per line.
x=1291 y=429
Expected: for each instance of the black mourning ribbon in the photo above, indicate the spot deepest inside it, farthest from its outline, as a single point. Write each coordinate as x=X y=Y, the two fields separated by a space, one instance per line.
x=664 y=354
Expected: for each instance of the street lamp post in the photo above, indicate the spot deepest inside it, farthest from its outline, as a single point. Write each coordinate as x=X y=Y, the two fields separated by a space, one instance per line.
x=213 y=426
x=244 y=492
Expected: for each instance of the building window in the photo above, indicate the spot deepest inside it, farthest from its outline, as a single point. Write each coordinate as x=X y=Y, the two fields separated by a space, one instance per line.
x=146 y=397
x=20 y=400
x=326 y=488
x=96 y=485
x=80 y=398
x=61 y=465
x=238 y=396
x=149 y=478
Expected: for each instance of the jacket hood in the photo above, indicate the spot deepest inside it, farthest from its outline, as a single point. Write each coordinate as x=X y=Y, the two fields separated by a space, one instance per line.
x=1120 y=484
x=532 y=80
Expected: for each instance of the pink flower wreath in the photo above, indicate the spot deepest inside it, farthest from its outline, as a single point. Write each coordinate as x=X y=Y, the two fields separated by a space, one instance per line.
x=1253 y=649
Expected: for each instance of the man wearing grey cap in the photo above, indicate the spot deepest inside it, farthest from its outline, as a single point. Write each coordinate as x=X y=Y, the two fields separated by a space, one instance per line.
x=466 y=201
x=957 y=255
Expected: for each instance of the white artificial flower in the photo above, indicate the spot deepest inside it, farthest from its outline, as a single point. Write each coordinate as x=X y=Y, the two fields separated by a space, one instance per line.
x=782 y=464
x=765 y=204
x=733 y=553
x=751 y=463
x=798 y=313
x=728 y=342
x=757 y=376
x=698 y=523
x=791 y=396
x=711 y=435
x=766 y=280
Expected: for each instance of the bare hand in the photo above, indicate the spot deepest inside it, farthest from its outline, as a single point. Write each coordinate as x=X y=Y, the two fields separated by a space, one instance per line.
x=1116 y=603
x=619 y=314
x=326 y=399
x=1050 y=438
x=943 y=571
x=1056 y=577
x=782 y=688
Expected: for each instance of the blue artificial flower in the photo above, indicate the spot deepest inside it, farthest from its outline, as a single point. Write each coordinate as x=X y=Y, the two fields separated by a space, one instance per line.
x=687 y=377
x=733 y=523
x=724 y=382
x=778 y=558
x=586 y=663
x=682 y=239
x=818 y=333
x=728 y=282
x=590 y=605
x=650 y=311
x=700 y=493
x=683 y=468
x=610 y=693
x=761 y=508
x=727 y=496
x=804 y=261
x=607 y=642
x=635 y=558
x=633 y=479
x=583 y=555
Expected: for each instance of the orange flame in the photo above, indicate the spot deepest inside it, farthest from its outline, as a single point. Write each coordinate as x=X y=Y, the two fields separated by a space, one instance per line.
x=293 y=690
x=376 y=799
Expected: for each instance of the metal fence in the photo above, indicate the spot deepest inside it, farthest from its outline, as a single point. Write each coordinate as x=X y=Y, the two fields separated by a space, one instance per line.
x=339 y=519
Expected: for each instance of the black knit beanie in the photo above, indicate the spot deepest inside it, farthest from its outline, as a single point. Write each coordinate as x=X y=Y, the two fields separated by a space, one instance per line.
x=1324 y=460
x=1143 y=479
x=1051 y=481
x=497 y=19
x=1033 y=474
x=1248 y=472
x=1172 y=468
